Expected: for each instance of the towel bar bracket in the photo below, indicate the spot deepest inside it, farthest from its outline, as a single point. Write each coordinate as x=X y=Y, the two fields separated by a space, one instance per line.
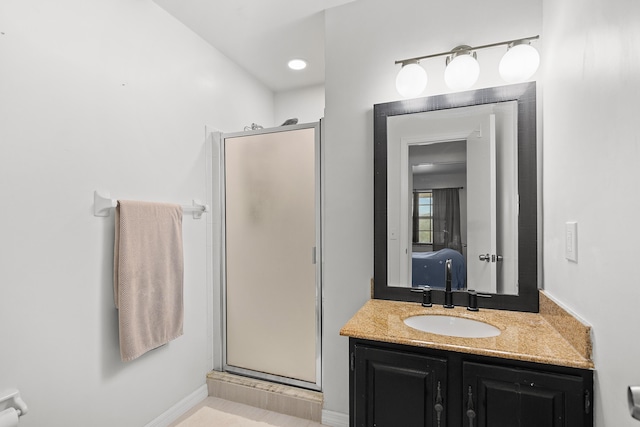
x=11 y=399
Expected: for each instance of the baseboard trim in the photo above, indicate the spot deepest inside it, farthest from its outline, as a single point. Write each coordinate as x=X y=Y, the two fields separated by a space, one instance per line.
x=335 y=419
x=180 y=408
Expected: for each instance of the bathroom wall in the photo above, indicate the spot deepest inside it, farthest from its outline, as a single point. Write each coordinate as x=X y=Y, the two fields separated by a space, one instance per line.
x=111 y=95
x=114 y=95
x=305 y=104
x=591 y=157
x=364 y=38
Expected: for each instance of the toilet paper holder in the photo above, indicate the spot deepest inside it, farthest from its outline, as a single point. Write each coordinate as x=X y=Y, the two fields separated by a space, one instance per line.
x=11 y=399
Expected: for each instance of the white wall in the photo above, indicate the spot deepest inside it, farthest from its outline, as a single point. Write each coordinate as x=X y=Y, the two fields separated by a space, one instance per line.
x=360 y=71
x=112 y=95
x=306 y=104
x=591 y=175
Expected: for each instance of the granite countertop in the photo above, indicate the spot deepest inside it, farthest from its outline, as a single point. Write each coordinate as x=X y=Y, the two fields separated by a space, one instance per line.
x=533 y=337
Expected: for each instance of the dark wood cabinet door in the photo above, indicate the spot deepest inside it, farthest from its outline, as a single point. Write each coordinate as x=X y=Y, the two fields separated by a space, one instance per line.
x=398 y=389
x=495 y=396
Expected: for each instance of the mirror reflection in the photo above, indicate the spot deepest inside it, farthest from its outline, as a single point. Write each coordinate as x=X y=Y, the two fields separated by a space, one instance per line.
x=438 y=209
x=452 y=194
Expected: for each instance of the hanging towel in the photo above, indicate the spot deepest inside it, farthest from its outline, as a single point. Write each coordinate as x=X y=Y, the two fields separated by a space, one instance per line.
x=148 y=275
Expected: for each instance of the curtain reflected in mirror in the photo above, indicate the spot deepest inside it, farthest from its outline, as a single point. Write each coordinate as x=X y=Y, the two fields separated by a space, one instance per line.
x=446 y=219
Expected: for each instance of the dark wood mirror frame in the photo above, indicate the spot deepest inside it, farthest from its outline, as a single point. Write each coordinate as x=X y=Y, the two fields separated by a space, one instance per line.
x=525 y=95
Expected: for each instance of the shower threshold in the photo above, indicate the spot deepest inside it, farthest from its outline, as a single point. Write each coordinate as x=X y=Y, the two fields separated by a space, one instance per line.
x=285 y=399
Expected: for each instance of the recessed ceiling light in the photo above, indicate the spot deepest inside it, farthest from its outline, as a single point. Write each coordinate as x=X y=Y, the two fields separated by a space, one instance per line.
x=297 y=64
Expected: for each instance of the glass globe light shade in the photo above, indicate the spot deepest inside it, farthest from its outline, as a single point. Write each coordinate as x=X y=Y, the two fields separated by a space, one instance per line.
x=411 y=80
x=462 y=72
x=519 y=63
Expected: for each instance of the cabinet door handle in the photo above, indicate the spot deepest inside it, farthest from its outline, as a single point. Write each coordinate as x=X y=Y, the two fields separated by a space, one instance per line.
x=471 y=414
x=587 y=402
x=438 y=407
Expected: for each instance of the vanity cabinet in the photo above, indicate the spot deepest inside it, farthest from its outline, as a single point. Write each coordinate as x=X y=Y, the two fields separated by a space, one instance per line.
x=394 y=385
x=502 y=396
x=395 y=388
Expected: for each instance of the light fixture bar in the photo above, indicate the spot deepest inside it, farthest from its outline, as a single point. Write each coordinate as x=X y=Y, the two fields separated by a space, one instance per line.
x=418 y=58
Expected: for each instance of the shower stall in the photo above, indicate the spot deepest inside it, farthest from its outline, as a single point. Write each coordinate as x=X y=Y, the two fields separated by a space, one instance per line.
x=271 y=254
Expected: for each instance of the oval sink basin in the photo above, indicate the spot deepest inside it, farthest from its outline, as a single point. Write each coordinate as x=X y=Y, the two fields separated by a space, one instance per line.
x=452 y=326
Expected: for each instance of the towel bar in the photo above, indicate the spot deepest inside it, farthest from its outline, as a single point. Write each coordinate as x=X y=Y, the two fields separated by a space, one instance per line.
x=102 y=203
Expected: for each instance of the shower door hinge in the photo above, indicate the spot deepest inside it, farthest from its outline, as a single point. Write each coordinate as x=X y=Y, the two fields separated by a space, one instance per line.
x=313 y=255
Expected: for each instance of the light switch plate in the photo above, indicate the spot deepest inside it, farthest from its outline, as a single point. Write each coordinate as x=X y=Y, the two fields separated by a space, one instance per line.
x=571 y=241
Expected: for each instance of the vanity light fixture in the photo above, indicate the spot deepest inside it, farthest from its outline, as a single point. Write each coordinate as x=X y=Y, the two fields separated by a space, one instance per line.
x=463 y=69
x=411 y=80
x=519 y=63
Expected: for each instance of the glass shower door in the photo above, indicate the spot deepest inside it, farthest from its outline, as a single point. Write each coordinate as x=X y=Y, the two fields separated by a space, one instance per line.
x=272 y=236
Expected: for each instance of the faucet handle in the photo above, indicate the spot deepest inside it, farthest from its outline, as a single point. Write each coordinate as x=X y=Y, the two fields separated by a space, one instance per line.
x=473 y=300
x=426 y=295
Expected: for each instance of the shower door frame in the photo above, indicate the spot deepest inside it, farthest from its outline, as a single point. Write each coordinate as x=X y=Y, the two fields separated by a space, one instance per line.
x=317 y=257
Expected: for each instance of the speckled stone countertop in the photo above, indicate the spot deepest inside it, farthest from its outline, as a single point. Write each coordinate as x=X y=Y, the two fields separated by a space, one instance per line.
x=529 y=337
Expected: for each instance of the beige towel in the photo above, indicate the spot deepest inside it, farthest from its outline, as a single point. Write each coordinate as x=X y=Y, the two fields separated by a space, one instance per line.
x=148 y=275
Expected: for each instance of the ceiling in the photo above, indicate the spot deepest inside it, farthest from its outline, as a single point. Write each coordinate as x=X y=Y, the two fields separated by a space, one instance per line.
x=262 y=35
x=448 y=157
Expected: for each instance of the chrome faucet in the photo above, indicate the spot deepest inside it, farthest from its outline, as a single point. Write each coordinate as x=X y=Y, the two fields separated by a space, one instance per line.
x=448 y=295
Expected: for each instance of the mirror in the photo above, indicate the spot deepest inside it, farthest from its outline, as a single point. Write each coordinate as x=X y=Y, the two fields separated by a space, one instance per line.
x=455 y=178
x=451 y=187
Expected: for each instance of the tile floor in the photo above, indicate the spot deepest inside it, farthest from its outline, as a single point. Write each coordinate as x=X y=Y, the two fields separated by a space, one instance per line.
x=273 y=418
